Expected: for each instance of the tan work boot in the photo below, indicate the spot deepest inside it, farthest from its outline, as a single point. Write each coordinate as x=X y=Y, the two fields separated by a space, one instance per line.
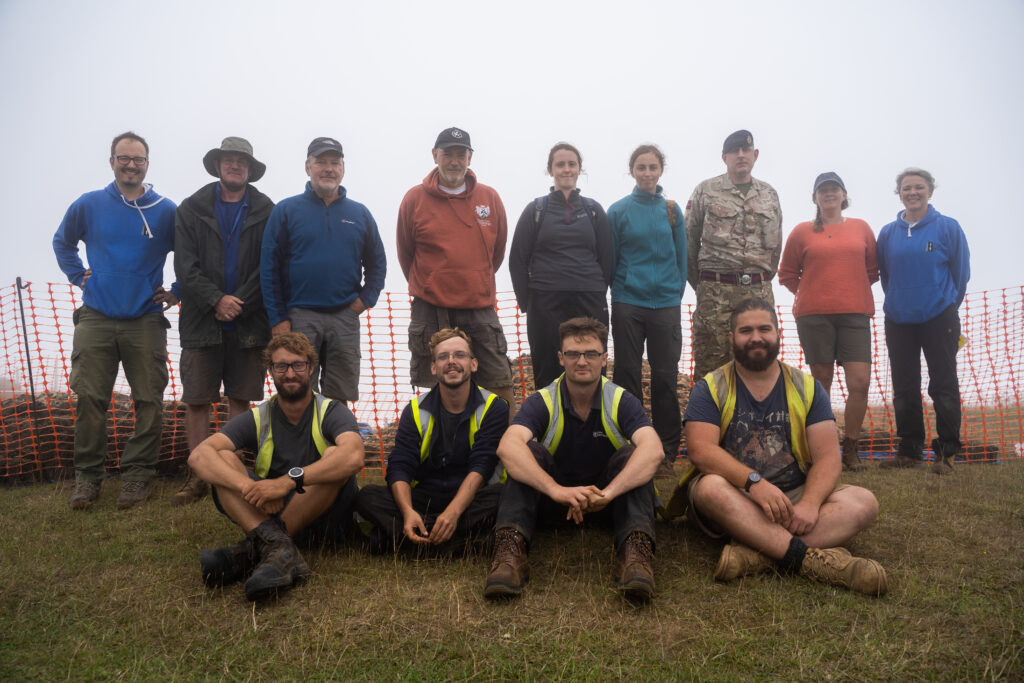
x=510 y=567
x=851 y=456
x=942 y=466
x=634 y=575
x=739 y=560
x=192 y=490
x=838 y=567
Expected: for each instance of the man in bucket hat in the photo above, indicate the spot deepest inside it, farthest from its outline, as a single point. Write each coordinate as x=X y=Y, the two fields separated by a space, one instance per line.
x=223 y=325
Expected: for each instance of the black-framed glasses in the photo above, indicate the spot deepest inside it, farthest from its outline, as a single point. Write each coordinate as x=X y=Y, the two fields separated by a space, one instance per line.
x=299 y=367
x=123 y=159
x=457 y=355
x=575 y=355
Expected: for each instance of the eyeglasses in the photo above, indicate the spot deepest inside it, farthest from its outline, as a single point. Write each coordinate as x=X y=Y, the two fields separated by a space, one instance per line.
x=575 y=355
x=457 y=355
x=123 y=160
x=299 y=366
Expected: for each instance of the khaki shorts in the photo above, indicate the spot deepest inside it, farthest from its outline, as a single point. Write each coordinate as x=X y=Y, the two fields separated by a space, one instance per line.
x=842 y=337
x=712 y=530
x=241 y=370
x=481 y=324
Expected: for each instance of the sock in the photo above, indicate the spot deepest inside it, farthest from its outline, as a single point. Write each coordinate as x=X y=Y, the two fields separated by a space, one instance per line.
x=794 y=557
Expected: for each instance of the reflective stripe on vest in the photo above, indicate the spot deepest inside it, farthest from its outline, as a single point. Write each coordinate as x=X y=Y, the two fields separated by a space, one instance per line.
x=611 y=394
x=799 y=395
x=261 y=414
x=421 y=416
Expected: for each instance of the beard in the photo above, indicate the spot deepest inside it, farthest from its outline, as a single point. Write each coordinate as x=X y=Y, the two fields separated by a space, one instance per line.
x=289 y=394
x=443 y=379
x=758 y=364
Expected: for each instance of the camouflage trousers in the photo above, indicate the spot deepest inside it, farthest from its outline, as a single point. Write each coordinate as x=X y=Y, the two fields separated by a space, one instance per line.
x=710 y=330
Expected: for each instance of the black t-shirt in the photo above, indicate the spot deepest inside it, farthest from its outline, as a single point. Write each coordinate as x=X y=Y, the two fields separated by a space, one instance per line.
x=293 y=444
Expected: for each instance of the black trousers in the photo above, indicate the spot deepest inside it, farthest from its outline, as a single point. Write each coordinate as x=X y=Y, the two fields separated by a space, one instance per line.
x=545 y=312
x=523 y=507
x=937 y=338
x=660 y=328
x=377 y=505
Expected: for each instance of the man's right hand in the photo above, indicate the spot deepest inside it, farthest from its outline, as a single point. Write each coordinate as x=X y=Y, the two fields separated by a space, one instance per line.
x=577 y=498
x=228 y=308
x=772 y=501
x=85 y=277
x=283 y=327
x=415 y=529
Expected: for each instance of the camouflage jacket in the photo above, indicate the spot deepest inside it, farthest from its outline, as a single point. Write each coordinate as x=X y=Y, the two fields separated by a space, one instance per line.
x=729 y=233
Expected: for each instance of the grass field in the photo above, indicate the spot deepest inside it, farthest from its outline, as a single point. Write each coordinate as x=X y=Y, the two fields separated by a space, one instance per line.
x=103 y=594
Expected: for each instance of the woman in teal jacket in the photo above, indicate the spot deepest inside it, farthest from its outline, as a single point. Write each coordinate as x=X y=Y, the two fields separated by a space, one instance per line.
x=649 y=275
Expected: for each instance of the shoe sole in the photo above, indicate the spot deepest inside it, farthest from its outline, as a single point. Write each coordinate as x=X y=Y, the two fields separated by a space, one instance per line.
x=499 y=590
x=81 y=504
x=637 y=589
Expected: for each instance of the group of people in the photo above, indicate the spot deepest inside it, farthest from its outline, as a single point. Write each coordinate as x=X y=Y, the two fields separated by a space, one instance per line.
x=280 y=288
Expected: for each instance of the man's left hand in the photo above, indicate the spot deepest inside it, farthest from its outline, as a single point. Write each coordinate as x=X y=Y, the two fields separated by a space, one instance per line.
x=358 y=306
x=444 y=526
x=164 y=298
x=265 y=491
x=803 y=519
x=597 y=501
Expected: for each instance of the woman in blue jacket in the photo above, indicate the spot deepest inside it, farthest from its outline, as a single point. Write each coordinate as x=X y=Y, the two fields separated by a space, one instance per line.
x=560 y=262
x=924 y=264
x=649 y=275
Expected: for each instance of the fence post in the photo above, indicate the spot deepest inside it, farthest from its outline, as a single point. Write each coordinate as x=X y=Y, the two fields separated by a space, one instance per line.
x=28 y=349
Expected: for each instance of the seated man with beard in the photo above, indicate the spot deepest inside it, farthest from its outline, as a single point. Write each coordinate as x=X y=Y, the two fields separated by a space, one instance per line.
x=765 y=474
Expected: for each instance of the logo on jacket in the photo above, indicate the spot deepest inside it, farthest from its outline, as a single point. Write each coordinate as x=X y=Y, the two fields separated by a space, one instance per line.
x=345 y=220
x=483 y=211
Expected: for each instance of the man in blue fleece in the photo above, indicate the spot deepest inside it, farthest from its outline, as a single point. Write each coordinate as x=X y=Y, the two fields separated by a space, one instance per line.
x=128 y=230
x=322 y=264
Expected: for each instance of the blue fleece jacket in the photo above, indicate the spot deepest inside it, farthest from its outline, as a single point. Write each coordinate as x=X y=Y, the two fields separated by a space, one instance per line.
x=320 y=256
x=126 y=244
x=924 y=269
x=650 y=254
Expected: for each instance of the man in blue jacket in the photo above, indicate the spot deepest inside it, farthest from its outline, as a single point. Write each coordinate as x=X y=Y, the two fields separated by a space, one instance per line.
x=223 y=327
x=322 y=264
x=128 y=230
x=445 y=454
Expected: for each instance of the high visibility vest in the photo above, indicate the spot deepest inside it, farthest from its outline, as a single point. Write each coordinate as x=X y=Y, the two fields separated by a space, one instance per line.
x=722 y=383
x=424 y=420
x=265 y=436
x=611 y=395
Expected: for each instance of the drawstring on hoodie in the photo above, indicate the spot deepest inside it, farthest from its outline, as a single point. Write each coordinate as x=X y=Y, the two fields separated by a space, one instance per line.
x=134 y=204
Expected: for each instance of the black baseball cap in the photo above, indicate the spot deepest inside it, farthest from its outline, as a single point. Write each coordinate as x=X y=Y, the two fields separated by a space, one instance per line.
x=828 y=177
x=453 y=137
x=322 y=145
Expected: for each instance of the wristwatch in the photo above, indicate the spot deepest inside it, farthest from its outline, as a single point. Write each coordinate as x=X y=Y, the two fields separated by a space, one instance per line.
x=752 y=479
x=297 y=474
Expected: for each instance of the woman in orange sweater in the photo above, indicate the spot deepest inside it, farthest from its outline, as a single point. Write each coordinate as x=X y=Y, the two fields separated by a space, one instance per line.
x=830 y=264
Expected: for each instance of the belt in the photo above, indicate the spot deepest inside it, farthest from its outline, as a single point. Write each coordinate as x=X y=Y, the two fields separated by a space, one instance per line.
x=735 y=278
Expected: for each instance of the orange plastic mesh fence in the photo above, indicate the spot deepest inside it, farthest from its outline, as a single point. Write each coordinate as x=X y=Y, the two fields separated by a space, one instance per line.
x=37 y=439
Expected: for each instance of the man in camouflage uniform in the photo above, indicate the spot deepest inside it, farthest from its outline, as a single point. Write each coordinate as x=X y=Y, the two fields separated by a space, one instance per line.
x=734 y=239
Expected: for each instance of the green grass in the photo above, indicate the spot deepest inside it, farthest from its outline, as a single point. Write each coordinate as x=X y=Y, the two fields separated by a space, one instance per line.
x=103 y=594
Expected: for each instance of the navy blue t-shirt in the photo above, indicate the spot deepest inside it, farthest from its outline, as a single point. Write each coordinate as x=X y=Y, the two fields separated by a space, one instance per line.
x=584 y=450
x=759 y=434
x=230 y=217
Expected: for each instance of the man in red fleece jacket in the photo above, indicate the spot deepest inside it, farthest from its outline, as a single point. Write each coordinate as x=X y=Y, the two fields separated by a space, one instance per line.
x=451 y=240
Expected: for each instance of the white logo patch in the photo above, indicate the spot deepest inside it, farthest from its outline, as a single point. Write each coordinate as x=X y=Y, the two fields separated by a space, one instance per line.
x=483 y=211
x=456 y=133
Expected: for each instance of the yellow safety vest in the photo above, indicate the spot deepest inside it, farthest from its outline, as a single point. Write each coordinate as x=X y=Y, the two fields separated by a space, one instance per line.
x=611 y=395
x=261 y=414
x=422 y=417
x=722 y=383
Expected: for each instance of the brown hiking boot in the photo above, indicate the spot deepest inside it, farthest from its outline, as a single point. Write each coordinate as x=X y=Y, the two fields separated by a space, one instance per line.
x=901 y=461
x=510 y=567
x=634 y=575
x=132 y=493
x=942 y=466
x=739 y=560
x=85 y=494
x=222 y=566
x=851 y=457
x=281 y=563
x=192 y=490
x=838 y=567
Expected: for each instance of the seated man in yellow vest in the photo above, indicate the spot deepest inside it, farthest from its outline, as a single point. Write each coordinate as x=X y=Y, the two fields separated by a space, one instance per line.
x=581 y=447
x=762 y=440
x=444 y=457
x=308 y=451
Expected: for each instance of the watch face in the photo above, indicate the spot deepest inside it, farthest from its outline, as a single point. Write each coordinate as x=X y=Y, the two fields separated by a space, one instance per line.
x=754 y=477
x=295 y=472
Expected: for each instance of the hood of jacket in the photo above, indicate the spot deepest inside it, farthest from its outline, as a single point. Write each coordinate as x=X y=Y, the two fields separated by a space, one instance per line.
x=430 y=184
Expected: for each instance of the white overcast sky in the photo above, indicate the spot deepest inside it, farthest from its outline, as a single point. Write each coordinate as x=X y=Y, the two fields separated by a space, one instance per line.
x=864 y=89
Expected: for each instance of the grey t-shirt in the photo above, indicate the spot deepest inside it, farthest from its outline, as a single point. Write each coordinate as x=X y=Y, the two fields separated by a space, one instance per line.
x=293 y=444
